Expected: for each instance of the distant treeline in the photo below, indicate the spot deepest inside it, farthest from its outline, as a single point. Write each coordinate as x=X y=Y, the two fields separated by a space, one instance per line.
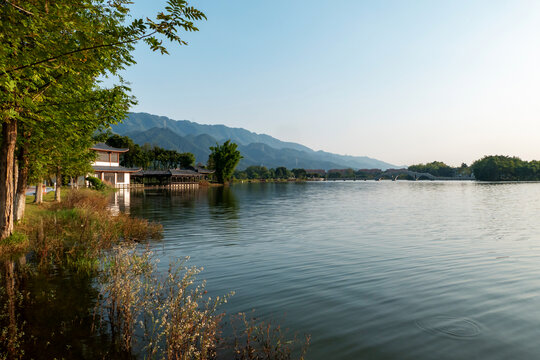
x=282 y=173
x=263 y=173
x=489 y=168
x=150 y=157
x=438 y=168
x=506 y=168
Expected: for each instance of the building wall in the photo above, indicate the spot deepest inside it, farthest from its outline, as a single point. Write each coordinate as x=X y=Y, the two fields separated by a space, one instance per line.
x=114 y=178
x=126 y=180
x=105 y=163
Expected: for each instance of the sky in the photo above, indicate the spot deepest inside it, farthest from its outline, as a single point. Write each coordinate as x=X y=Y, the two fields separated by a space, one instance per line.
x=405 y=82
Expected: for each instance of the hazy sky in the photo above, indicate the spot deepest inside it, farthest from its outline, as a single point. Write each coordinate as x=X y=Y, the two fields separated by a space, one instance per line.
x=400 y=81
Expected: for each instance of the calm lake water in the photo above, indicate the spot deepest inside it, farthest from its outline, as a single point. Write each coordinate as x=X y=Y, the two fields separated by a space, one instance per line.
x=372 y=270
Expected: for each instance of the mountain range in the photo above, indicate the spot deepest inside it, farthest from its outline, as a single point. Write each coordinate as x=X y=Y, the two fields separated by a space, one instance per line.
x=256 y=149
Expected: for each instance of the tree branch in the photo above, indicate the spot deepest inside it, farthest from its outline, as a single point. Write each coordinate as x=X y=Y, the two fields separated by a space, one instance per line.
x=79 y=50
x=20 y=8
x=45 y=87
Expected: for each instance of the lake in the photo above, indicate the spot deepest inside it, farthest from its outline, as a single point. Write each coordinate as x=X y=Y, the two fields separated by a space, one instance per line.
x=373 y=270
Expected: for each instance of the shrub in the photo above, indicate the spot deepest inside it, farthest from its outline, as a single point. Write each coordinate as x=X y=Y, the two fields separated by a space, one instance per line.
x=76 y=231
x=259 y=340
x=16 y=243
x=96 y=183
x=177 y=321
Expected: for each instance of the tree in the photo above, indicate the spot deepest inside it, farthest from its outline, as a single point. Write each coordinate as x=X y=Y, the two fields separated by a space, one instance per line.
x=499 y=168
x=348 y=173
x=464 y=170
x=258 y=172
x=223 y=159
x=135 y=157
x=52 y=56
x=435 y=168
x=282 y=173
x=334 y=175
x=240 y=175
x=150 y=157
x=299 y=173
x=186 y=160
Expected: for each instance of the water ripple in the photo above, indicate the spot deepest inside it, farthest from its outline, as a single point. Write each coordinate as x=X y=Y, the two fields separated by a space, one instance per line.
x=455 y=327
x=366 y=267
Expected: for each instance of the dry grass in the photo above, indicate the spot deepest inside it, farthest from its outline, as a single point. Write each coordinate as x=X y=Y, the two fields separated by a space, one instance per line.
x=76 y=231
x=14 y=245
x=177 y=320
x=259 y=340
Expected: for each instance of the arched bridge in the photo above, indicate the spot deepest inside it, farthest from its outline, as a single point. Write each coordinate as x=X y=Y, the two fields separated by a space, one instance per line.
x=394 y=174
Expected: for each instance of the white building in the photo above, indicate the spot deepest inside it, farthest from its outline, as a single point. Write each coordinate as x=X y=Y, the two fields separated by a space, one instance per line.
x=107 y=166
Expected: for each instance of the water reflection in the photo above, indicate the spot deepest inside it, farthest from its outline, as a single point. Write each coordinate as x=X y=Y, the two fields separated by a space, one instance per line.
x=120 y=201
x=378 y=270
x=221 y=201
x=47 y=316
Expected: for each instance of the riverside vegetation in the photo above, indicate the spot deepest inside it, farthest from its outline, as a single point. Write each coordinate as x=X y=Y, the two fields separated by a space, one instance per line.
x=118 y=304
x=488 y=168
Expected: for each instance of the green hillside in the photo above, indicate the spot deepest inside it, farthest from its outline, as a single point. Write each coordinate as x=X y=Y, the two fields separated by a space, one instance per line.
x=257 y=149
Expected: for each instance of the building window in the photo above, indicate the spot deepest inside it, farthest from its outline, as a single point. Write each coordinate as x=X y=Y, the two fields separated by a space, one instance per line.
x=109 y=177
x=114 y=157
x=120 y=177
x=103 y=156
x=98 y=175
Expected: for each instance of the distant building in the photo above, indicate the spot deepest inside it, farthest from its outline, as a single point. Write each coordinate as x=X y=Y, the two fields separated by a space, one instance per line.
x=369 y=171
x=319 y=172
x=342 y=172
x=107 y=166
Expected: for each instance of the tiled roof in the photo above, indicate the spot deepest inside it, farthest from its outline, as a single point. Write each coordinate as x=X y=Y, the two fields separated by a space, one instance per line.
x=152 y=173
x=170 y=172
x=185 y=172
x=105 y=147
x=114 y=169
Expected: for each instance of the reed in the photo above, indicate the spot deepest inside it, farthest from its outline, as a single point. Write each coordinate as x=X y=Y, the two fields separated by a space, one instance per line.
x=75 y=232
x=260 y=340
x=176 y=319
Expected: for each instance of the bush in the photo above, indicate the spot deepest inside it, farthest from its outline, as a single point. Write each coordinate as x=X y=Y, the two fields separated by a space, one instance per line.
x=76 y=231
x=175 y=317
x=259 y=340
x=14 y=244
x=96 y=183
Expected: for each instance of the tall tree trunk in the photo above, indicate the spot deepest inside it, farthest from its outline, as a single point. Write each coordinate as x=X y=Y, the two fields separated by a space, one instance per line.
x=58 y=184
x=7 y=157
x=22 y=184
x=15 y=180
x=39 y=192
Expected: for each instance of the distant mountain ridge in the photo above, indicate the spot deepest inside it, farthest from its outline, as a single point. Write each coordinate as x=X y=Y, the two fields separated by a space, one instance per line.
x=257 y=149
x=145 y=121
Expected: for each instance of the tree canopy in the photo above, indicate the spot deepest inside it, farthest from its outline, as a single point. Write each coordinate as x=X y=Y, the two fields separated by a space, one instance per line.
x=435 y=168
x=505 y=168
x=150 y=157
x=223 y=160
x=52 y=57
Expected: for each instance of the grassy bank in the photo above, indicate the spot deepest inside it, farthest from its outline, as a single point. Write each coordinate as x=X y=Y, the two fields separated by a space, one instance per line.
x=78 y=282
x=75 y=232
